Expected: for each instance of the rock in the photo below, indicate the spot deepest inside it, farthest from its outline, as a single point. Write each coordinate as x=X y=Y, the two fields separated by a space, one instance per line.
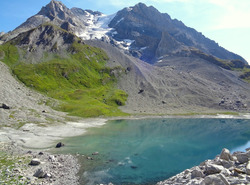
x=40 y=153
x=95 y=153
x=89 y=158
x=4 y=106
x=52 y=158
x=59 y=145
x=213 y=169
x=133 y=167
x=248 y=168
x=48 y=175
x=223 y=178
x=196 y=173
x=212 y=180
x=225 y=154
x=242 y=157
x=35 y=162
x=226 y=164
x=40 y=173
x=238 y=170
x=140 y=91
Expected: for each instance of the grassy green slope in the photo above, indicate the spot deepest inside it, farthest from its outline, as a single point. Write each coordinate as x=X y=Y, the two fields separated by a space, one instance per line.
x=85 y=86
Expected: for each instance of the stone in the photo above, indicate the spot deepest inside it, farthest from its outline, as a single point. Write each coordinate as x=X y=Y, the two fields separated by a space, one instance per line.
x=40 y=173
x=223 y=178
x=238 y=170
x=248 y=168
x=225 y=154
x=213 y=169
x=212 y=180
x=242 y=157
x=35 y=162
x=95 y=153
x=59 y=145
x=52 y=158
x=226 y=164
x=196 y=173
x=4 y=106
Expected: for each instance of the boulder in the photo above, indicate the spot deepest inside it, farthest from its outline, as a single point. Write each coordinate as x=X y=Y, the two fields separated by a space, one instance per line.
x=212 y=180
x=40 y=173
x=248 y=168
x=226 y=164
x=196 y=173
x=225 y=154
x=223 y=178
x=4 y=106
x=59 y=145
x=242 y=157
x=213 y=169
x=35 y=162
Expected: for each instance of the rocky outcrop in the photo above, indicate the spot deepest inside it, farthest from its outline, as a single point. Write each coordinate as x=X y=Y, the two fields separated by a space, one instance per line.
x=55 y=13
x=225 y=169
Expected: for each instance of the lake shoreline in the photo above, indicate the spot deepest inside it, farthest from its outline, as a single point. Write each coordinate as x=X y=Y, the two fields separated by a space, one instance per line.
x=28 y=138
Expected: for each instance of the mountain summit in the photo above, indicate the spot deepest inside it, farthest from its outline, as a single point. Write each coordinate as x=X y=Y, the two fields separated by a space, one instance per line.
x=157 y=35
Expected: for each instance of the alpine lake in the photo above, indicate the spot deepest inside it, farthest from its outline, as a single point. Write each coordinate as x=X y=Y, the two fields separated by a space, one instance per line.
x=146 y=151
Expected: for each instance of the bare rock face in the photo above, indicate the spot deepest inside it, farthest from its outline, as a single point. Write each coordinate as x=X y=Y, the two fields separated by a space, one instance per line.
x=160 y=35
x=55 y=13
x=216 y=171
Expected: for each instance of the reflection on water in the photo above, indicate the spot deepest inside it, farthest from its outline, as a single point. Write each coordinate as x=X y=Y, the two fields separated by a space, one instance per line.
x=150 y=150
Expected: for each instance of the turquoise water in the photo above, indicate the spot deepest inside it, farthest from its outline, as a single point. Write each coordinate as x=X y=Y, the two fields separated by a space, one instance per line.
x=150 y=150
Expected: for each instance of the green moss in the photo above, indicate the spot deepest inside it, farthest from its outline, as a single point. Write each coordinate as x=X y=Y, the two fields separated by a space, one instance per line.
x=245 y=74
x=85 y=86
x=9 y=53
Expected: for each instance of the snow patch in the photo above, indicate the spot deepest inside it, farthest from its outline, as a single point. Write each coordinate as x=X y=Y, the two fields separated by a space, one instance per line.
x=129 y=9
x=97 y=26
x=119 y=21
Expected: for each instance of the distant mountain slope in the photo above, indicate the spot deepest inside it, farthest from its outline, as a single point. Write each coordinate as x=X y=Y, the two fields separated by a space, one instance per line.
x=155 y=34
x=179 y=85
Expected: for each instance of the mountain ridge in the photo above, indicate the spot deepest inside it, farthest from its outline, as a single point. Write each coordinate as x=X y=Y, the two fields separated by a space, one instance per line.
x=140 y=29
x=181 y=79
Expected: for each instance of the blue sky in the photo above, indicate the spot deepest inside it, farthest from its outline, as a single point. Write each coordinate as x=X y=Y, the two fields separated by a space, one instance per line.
x=225 y=21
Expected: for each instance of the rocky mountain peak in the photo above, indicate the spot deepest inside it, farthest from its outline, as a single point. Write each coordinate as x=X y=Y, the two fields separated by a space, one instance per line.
x=55 y=9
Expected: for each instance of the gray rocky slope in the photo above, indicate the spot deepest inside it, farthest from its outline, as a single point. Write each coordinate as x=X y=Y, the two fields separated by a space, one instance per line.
x=225 y=169
x=179 y=86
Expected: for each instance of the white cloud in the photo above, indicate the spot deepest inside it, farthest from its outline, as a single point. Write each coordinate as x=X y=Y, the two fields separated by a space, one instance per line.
x=234 y=14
